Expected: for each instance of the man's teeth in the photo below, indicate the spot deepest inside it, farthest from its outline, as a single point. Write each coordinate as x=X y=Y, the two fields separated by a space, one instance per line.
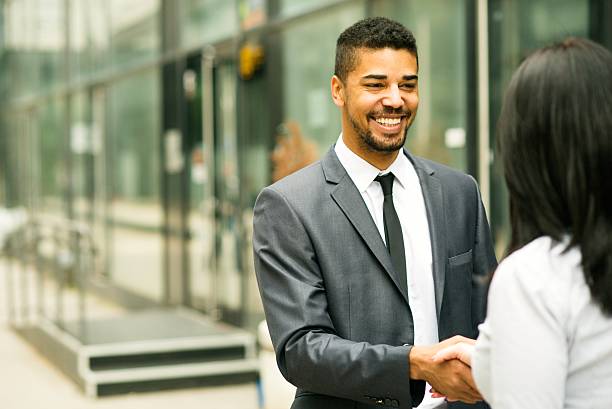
x=388 y=121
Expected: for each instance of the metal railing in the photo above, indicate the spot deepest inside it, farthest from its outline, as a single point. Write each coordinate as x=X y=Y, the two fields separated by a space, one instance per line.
x=48 y=266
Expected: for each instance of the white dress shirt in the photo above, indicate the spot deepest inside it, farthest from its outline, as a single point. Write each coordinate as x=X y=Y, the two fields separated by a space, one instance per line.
x=410 y=207
x=544 y=344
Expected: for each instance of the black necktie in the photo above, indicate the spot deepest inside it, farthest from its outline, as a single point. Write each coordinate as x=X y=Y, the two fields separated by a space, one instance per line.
x=393 y=230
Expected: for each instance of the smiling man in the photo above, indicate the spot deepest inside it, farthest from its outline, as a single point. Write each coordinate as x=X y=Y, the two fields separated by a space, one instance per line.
x=369 y=261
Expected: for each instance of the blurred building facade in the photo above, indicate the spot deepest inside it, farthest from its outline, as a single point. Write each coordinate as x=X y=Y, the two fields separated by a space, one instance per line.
x=157 y=122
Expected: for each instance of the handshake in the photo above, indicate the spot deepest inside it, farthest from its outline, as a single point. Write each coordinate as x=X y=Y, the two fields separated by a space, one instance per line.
x=446 y=366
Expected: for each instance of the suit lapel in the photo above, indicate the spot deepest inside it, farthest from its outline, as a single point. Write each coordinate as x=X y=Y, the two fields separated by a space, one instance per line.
x=434 y=204
x=347 y=197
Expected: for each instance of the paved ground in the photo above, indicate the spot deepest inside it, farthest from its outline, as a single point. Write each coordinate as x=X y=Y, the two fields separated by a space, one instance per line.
x=29 y=381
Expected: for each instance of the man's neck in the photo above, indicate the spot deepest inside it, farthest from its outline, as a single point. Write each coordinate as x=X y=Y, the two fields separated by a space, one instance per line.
x=380 y=160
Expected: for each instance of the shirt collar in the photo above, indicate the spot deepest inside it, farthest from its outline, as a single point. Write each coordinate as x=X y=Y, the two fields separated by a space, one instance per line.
x=363 y=173
x=401 y=169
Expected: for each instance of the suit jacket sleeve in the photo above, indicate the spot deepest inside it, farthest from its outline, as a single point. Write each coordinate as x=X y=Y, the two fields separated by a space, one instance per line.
x=309 y=352
x=485 y=263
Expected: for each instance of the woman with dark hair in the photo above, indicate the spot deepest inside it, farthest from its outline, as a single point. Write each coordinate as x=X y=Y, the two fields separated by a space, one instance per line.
x=547 y=338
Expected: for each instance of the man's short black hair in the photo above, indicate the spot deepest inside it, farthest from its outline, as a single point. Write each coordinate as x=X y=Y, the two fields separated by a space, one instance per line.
x=374 y=33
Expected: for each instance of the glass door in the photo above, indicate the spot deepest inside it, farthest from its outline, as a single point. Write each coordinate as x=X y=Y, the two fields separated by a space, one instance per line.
x=199 y=134
x=133 y=179
x=228 y=237
x=215 y=223
x=89 y=170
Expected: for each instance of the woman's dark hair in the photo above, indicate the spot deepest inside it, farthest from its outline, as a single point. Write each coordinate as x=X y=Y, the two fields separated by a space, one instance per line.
x=373 y=33
x=555 y=142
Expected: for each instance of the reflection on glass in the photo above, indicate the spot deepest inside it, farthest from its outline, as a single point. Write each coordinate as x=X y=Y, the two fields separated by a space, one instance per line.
x=133 y=163
x=292 y=151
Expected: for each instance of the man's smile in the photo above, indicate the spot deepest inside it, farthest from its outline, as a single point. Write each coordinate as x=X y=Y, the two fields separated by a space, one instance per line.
x=388 y=123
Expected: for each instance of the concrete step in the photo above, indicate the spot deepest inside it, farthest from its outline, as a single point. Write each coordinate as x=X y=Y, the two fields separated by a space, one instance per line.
x=147 y=350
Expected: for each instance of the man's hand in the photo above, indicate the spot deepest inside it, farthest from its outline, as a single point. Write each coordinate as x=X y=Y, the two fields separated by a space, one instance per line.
x=452 y=378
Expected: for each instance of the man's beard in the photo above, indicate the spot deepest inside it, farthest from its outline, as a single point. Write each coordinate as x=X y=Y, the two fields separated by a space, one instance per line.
x=369 y=142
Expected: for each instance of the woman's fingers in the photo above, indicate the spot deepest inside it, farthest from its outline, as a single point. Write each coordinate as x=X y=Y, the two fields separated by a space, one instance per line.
x=461 y=351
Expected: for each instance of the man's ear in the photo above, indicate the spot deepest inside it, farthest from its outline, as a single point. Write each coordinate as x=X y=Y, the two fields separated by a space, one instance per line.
x=338 y=91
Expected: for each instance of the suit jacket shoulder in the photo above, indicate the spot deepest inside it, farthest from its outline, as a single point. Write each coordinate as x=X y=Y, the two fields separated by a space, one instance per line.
x=446 y=174
x=309 y=177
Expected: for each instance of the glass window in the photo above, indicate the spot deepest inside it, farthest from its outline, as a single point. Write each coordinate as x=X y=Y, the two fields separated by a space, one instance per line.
x=81 y=147
x=292 y=7
x=253 y=13
x=204 y=21
x=77 y=41
x=48 y=157
x=34 y=37
x=254 y=134
x=134 y=166
x=87 y=176
x=135 y=30
x=439 y=26
x=80 y=44
x=5 y=144
x=517 y=28
x=15 y=159
x=97 y=20
x=227 y=193
x=311 y=117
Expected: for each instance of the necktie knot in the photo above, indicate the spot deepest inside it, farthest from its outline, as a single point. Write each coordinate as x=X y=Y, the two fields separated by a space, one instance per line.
x=386 y=182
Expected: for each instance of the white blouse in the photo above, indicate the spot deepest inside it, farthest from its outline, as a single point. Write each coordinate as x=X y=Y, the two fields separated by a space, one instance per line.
x=544 y=343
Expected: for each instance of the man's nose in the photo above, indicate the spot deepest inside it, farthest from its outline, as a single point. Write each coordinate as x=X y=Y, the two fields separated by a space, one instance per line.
x=393 y=98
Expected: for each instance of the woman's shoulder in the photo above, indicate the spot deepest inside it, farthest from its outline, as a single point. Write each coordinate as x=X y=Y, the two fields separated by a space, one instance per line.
x=541 y=259
x=544 y=270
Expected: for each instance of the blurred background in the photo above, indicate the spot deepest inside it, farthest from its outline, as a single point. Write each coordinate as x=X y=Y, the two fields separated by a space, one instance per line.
x=135 y=136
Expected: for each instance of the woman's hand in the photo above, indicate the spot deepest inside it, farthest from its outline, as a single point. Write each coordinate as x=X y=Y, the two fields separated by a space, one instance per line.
x=461 y=351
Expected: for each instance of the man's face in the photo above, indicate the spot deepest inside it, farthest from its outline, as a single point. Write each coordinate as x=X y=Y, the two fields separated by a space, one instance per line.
x=379 y=100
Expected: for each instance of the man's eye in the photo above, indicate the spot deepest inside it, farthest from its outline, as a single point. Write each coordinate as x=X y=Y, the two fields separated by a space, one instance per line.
x=408 y=86
x=374 y=85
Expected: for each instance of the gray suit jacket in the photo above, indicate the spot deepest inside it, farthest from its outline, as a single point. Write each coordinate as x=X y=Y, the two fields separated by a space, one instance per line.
x=340 y=323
